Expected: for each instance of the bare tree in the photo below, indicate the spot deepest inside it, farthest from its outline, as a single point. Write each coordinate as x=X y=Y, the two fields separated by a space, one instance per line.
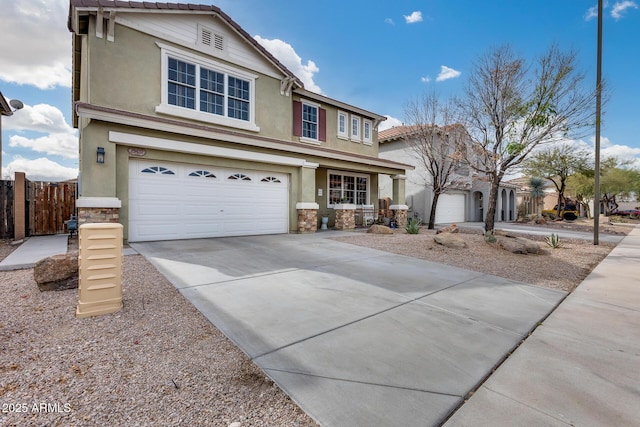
x=437 y=144
x=511 y=107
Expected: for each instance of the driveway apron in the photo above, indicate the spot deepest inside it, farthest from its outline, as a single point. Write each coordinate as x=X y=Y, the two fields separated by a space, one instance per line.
x=355 y=336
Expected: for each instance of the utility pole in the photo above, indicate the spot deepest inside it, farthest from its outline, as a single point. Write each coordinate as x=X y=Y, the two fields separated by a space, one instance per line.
x=596 y=186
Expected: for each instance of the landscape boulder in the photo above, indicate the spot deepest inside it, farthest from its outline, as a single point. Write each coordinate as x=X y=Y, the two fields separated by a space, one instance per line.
x=57 y=272
x=453 y=228
x=519 y=245
x=379 y=229
x=450 y=240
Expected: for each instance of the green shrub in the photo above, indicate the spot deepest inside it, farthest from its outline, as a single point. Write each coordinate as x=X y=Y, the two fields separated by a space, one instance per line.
x=413 y=226
x=553 y=241
x=489 y=237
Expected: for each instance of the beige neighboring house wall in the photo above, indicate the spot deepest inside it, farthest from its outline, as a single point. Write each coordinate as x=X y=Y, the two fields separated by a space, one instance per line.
x=466 y=201
x=123 y=60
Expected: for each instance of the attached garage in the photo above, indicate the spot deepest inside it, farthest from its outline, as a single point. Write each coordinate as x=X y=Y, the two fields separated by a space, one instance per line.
x=169 y=201
x=450 y=208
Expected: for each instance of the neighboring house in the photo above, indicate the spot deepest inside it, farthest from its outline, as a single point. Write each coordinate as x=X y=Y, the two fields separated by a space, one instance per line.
x=466 y=200
x=190 y=128
x=527 y=204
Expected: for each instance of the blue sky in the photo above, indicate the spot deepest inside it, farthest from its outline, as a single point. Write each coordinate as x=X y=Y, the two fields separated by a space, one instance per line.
x=375 y=54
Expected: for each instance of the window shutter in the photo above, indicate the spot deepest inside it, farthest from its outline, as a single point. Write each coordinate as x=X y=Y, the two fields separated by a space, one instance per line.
x=322 y=124
x=297 y=118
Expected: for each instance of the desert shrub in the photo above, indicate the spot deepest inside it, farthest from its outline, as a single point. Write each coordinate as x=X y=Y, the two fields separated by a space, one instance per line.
x=489 y=237
x=413 y=226
x=553 y=241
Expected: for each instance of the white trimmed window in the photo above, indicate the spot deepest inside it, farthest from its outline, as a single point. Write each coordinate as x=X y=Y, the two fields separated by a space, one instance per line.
x=347 y=188
x=198 y=88
x=343 y=125
x=355 y=129
x=367 y=131
x=309 y=121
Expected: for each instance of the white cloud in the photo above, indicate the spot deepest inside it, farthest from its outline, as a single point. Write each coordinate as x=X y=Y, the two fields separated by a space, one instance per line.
x=620 y=7
x=447 y=73
x=60 y=138
x=41 y=169
x=413 y=18
x=389 y=123
x=43 y=118
x=389 y=21
x=591 y=13
x=285 y=53
x=36 y=45
x=425 y=79
x=54 y=144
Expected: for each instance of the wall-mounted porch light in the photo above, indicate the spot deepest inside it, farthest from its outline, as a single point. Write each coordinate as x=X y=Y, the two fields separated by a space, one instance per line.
x=100 y=155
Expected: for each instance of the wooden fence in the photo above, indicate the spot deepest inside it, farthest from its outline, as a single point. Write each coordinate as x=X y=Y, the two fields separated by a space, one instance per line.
x=6 y=209
x=47 y=205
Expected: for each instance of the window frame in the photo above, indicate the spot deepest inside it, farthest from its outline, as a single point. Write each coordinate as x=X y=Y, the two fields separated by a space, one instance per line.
x=355 y=190
x=196 y=114
x=345 y=133
x=355 y=127
x=317 y=107
x=367 y=139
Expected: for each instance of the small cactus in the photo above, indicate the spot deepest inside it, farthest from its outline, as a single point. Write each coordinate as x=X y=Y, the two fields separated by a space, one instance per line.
x=553 y=241
x=489 y=237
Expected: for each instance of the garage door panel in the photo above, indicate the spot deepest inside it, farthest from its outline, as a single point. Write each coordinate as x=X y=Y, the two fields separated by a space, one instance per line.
x=450 y=208
x=179 y=206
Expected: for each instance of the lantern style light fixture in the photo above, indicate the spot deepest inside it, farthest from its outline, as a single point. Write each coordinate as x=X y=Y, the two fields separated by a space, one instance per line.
x=100 y=155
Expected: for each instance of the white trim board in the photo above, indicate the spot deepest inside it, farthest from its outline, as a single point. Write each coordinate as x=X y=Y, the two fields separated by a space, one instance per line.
x=207 y=150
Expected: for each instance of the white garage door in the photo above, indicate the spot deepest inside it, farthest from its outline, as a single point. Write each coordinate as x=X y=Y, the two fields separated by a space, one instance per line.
x=180 y=201
x=450 y=208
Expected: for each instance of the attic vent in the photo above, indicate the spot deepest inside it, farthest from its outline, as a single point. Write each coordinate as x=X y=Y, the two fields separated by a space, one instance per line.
x=218 y=42
x=206 y=37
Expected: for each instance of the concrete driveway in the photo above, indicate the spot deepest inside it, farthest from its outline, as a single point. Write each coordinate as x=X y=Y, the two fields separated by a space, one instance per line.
x=356 y=336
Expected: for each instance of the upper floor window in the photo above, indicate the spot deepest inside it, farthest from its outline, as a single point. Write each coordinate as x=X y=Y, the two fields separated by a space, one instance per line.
x=214 y=92
x=309 y=121
x=355 y=128
x=367 y=129
x=343 y=123
x=202 y=89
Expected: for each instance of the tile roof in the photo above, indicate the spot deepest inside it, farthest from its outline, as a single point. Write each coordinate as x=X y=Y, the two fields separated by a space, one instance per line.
x=111 y=4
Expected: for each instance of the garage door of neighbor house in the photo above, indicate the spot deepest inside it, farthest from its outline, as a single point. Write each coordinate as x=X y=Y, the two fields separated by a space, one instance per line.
x=170 y=201
x=450 y=208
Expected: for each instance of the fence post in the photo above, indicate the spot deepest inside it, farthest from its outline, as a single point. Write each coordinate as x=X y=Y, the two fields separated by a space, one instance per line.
x=19 y=196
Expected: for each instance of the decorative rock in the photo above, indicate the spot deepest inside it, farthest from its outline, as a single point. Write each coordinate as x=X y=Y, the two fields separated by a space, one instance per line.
x=379 y=229
x=450 y=241
x=453 y=228
x=519 y=245
x=57 y=272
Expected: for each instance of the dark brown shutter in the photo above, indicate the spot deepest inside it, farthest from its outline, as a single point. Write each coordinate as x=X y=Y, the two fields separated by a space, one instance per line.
x=297 y=118
x=322 y=124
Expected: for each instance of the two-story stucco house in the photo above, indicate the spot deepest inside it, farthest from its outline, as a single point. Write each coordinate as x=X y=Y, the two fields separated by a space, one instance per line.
x=190 y=128
x=467 y=198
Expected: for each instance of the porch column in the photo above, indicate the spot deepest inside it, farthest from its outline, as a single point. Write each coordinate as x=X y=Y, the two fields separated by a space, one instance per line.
x=345 y=216
x=399 y=207
x=19 y=208
x=307 y=207
x=98 y=209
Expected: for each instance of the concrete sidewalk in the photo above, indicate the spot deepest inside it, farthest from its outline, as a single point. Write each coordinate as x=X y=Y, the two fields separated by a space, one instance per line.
x=581 y=367
x=33 y=250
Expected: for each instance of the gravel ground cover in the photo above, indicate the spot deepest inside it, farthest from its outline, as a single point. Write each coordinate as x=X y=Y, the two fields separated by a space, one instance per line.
x=158 y=362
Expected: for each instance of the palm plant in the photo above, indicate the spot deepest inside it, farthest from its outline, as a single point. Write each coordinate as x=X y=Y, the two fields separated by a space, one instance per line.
x=536 y=189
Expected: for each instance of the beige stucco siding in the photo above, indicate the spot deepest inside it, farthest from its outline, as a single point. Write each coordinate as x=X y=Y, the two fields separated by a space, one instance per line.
x=127 y=74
